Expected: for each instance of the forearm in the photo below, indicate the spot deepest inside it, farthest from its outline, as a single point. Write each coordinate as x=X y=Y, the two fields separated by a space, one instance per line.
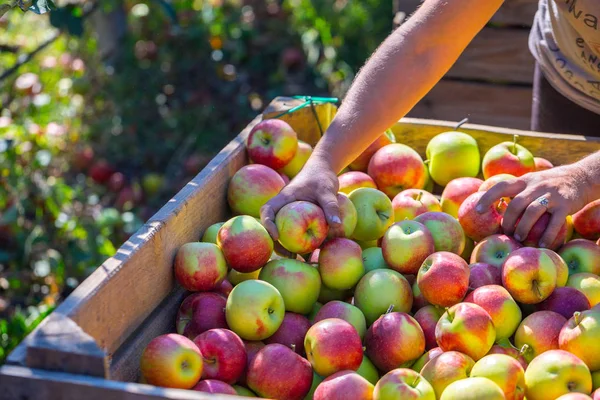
x=405 y=67
x=589 y=170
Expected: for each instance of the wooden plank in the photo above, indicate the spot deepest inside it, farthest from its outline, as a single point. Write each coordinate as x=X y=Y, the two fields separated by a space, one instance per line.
x=516 y=13
x=496 y=55
x=558 y=148
x=483 y=103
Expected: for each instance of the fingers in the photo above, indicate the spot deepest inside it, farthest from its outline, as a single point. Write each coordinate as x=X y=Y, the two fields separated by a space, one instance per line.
x=554 y=226
x=532 y=213
x=328 y=202
x=270 y=209
x=508 y=188
x=515 y=210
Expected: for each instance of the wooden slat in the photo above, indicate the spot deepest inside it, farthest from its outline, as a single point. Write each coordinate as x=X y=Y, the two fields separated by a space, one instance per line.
x=483 y=103
x=498 y=55
x=516 y=13
x=558 y=148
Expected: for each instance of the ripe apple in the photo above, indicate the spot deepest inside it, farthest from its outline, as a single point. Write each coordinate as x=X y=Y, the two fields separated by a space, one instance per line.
x=252 y=349
x=468 y=328
x=101 y=171
x=171 y=360
x=223 y=355
x=504 y=311
x=345 y=311
x=562 y=269
x=380 y=289
x=456 y=191
x=302 y=154
x=254 y=310
x=574 y=396
x=236 y=277
x=367 y=244
x=492 y=181
x=405 y=246
x=368 y=371
x=412 y=202
x=428 y=317
x=588 y=284
x=214 y=386
x=327 y=294
x=529 y=275
x=200 y=312
x=447 y=233
x=507 y=158
x=395 y=340
x=443 y=151
x=200 y=266
x=474 y=388
x=397 y=167
x=443 y=279
x=276 y=372
x=333 y=345
x=340 y=264
x=509 y=350
x=375 y=213
x=425 y=358
x=348 y=215
x=251 y=187
x=554 y=373
x=352 y=180
x=539 y=331
x=361 y=163
x=291 y=332
x=542 y=164
x=448 y=367
x=587 y=220
x=210 y=234
x=538 y=229
x=479 y=226
x=373 y=259
x=344 y=385
x=581 y=255
x=565 y=301
x=504 y=371
x=403 y=383
x=272 y=142
x=419 y=300
x=298 y=283
x=302 y=227
x=246 y=244
x=483 y=274
x=580 y=336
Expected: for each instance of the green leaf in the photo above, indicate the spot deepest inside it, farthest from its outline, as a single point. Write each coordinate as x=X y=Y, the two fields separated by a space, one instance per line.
x=42 y=6
x=69 y=19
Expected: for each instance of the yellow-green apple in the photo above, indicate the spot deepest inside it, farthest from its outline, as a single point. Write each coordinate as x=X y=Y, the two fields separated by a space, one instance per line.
x=448 y=367
x=302 y=227
x=340 y=264
x=236 y=277
x=508 y=349
x=200 y=266
x=361 y=163
x=403 y=383
x=494 y=250
x=447 y=233
x=405 y=246
x=596 y=379
x=443 y=279
x=504 y=371
x=562 y=269
x=587 y=220
x=539 y=331
x=492 y=181
x=214 y=386
x=348 y=215
x=444 y=149
x=478 y=225
x=429 y=184
x=367 y=244
x=299 y=283
x=276 y=372
x=242 y=391
x=345 y=311
x=456 y=191
x=588 y=284
x=252 y=349
x=380 y=289
x=469 y=246
x=291 y=332
x=245 y=243
x=581 y=255
x=483 y=274
x=412 y=202
x=272 y=142
x=223 y=355
x=375 y=213
x=397 y=167
x=368 y=371
x=210 y=234
x=502 y=308
x=507 y=158
x=327 y=294
x=468 y=328
x=171 y=360
x=537 y=231
x=580 y=336
x=529 y=275
x=251 y=187
x=554 y=373
x=313 y=312
x=373 y=259
x=427 y=317
x=418 y=298
x=352 y=180
x=542 y=164
x=425 y=358
x=344 y=385
x=475 y=388
x=565 y=301
x=333 y=345
x=200 y=312
x=254 y=310
x=302 y=154
x=395 y=340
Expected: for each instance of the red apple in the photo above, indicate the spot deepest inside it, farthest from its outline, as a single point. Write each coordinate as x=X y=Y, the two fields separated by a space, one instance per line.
x=542 y=164
x=565 y=301
x=223 y=355
x=443 y=279
x=538 y=229
x=425 y=358
x=508 y=158
x=224 y=288
x=587 y=220
x=361 y=163
x=214 y=386
x=447 y=233
x=252 y=349
x=494 y=249
x=529 y=274
x=200 y=266
x=455 y=193
x=340 y=264
x=405 y=384
x=539 y=331
x=302 y=227
x=246 y=244
x=412 y=202
x=345 y=311
x=405 y=246
x=291 y=332
x=428 y=317
x=272 y=142
x=344 y=385
x=509 y=350
x=101 y=171
x=251 y=187
x=479 y=226
x=352 y=180
x=200 y=312
x=397 y=167
x=581 y=255
x=448 y=367
x=483 y=274
x=492 y=181
x=348 y=215
x=579 y=336
x=504 y=311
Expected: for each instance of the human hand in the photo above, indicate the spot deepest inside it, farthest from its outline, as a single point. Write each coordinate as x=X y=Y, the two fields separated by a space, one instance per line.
x=560 y=191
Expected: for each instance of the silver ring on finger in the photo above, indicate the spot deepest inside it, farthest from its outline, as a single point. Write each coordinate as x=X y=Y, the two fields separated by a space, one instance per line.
x=542 y=200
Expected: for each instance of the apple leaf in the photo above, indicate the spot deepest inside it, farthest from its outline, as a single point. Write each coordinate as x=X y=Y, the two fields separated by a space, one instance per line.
x=42 y=6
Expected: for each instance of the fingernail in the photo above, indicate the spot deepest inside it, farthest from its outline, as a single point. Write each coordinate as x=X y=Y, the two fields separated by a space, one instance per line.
x=479 y=208
x=517 y=237
x=336 y=220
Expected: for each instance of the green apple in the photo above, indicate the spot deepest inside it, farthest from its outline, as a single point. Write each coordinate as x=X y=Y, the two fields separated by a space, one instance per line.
x=368 y=371
x=373 y=259
x=504 y=371
x=445 y=149
x=210 y=234
x=374 y=211
x=473 y=389
x=380 y=289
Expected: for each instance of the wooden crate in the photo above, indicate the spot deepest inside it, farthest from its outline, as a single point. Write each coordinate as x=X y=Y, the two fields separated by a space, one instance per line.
x=89 y=348
x=491 y=83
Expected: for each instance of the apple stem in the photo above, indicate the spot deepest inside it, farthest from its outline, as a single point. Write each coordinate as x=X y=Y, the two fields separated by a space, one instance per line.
x=576 y=316
x=426 y=162
x=364 y=348
x=293 y=346
x=461 y=123
x=419 y=197
x=524 y=349
x=390 y=308
x=536 y=287
x=450 y=316
x=515 y=137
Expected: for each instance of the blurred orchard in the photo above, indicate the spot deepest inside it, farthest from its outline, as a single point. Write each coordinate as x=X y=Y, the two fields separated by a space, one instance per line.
x=125 y=103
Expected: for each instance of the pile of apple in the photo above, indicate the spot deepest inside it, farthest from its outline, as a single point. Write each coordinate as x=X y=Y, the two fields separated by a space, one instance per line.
x=420 y=299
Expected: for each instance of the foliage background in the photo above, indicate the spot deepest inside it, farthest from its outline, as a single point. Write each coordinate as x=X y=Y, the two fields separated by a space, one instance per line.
x=90 y=148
